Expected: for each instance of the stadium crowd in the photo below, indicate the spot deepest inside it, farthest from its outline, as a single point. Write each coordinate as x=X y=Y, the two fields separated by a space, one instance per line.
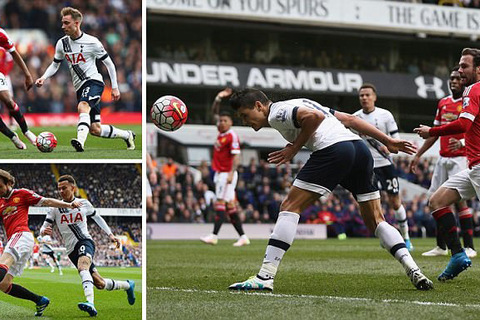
x=184 y=194
x=118 y=26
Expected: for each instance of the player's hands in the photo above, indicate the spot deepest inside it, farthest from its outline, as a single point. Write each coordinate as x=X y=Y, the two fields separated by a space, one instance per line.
x=28 y=82
x=116 y=240
x=413 y=164
x=227 y=92
x=39 y=82
x=384 y=149
x=397 y=145
x=76 y=204
x=48 y=230
x=454 y=144
x=115 y=94
x=282 y=156
x=153 y=177
x=423 y=131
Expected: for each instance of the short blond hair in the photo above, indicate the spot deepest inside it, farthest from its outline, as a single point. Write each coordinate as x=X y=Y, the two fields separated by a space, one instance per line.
x=7 y=177
x=75 y=13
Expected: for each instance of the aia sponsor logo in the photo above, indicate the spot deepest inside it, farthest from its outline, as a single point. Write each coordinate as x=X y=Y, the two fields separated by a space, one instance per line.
x=70 y=218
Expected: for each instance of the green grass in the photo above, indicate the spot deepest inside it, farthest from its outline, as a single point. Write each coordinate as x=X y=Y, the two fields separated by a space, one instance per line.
x=96 y=148
x=66 y=291
x=318 y=279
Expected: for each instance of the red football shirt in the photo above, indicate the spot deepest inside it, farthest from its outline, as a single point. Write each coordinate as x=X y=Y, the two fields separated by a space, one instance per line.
x=14 y=210
x=448 y=110
x=224 y=149
x=471 y=102
x=6 y=42
x=6 y=61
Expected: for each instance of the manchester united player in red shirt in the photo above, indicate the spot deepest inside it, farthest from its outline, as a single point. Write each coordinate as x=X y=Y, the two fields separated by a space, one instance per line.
x=452 y=160
x=465 y=184
x=226 y=158
x=6 y=96
x=14 y=204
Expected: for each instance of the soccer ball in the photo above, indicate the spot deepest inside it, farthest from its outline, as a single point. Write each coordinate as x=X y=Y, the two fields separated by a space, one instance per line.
x=46 y=141
x=169 y=113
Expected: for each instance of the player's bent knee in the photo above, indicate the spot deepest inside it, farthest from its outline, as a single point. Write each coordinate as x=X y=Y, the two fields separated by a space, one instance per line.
x=83 y=107
x=95 y=130
x=100 y=285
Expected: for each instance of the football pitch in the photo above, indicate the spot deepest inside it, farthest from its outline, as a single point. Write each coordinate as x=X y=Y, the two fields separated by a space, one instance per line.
x=317 y=279
x=66 y=291
x=95 y=148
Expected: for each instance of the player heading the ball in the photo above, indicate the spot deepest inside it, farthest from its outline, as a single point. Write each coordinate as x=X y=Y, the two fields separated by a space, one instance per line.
x=81 y=51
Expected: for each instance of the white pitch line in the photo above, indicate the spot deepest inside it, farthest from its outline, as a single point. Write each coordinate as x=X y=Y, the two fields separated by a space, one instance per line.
x=277 y=295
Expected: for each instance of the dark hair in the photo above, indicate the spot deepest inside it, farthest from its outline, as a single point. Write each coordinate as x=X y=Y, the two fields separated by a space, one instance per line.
x=475 y=53
x=456 y=68
x=226 y=114
x=7 y=177
x=68 y=178
x=247 y=98
x=367 y=85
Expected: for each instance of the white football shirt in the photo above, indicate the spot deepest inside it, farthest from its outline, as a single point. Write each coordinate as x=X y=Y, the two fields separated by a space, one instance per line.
x=44 y=241
x=282 y=117
x=72 y=223
x=384 y=121
x=81 y=55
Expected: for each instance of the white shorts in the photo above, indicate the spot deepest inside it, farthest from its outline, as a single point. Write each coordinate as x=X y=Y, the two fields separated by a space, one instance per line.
x=466 y=182
x=224 y=191
x=444 y=169
x=5 y=83
x=20 y=246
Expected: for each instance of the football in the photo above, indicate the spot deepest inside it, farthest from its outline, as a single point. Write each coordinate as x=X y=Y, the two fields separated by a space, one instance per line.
x=169 y=113
x=46 y=141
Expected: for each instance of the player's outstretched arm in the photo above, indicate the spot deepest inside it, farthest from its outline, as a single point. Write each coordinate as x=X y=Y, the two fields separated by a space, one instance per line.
x=112 y=72
x=393 y=145
x=460 y=125
x=28 y=77
x=51 y=70
x=225 y=93
x=308 y=120
x=50 y=202
x=102 y=224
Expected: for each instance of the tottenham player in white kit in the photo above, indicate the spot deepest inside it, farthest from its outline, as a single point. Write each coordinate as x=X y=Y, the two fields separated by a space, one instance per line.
x=72 y=224
x=81 y=52
x=338 y=157
x=384 y=170
x=47 y=251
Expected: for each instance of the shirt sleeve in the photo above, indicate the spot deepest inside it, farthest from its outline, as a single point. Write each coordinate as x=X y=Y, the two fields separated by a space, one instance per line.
x=99 y=51
x=438 y=115
x=284 y=117
x=470 y=103
x=59 y=53
x=392 y=127
x=235 y=145
x=6 y=42
x=31 y=198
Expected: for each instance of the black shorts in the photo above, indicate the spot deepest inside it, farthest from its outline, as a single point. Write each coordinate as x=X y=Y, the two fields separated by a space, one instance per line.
x=387 y=180
x=49 y=253
x=83 y=248
x=348 y=163
x=91 y=92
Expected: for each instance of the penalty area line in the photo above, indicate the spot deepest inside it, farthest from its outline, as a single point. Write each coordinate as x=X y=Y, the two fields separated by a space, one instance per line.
x=308 y=296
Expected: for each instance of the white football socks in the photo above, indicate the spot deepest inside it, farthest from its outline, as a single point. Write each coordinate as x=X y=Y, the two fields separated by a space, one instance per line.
x=111 y=284
x=87 y=283
x=280 y=240
x=110 y=132
x=401 y=217
x=83 y=127
x=393 y=242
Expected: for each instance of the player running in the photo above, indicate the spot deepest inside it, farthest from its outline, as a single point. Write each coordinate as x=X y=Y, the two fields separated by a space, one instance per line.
x=226 y=158
x=72 y=224
x=452 y=160
x=465 y=184
x=6 y=95
x=14 y=204
x=384 y=168
x=81 y=52
x=338 y=157
x=47 y=251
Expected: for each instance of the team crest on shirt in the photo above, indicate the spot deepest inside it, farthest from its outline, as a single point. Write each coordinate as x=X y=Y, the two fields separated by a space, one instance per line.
x=16 y=200
x=459 y=108
x=9 y=211
x=281 y=115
